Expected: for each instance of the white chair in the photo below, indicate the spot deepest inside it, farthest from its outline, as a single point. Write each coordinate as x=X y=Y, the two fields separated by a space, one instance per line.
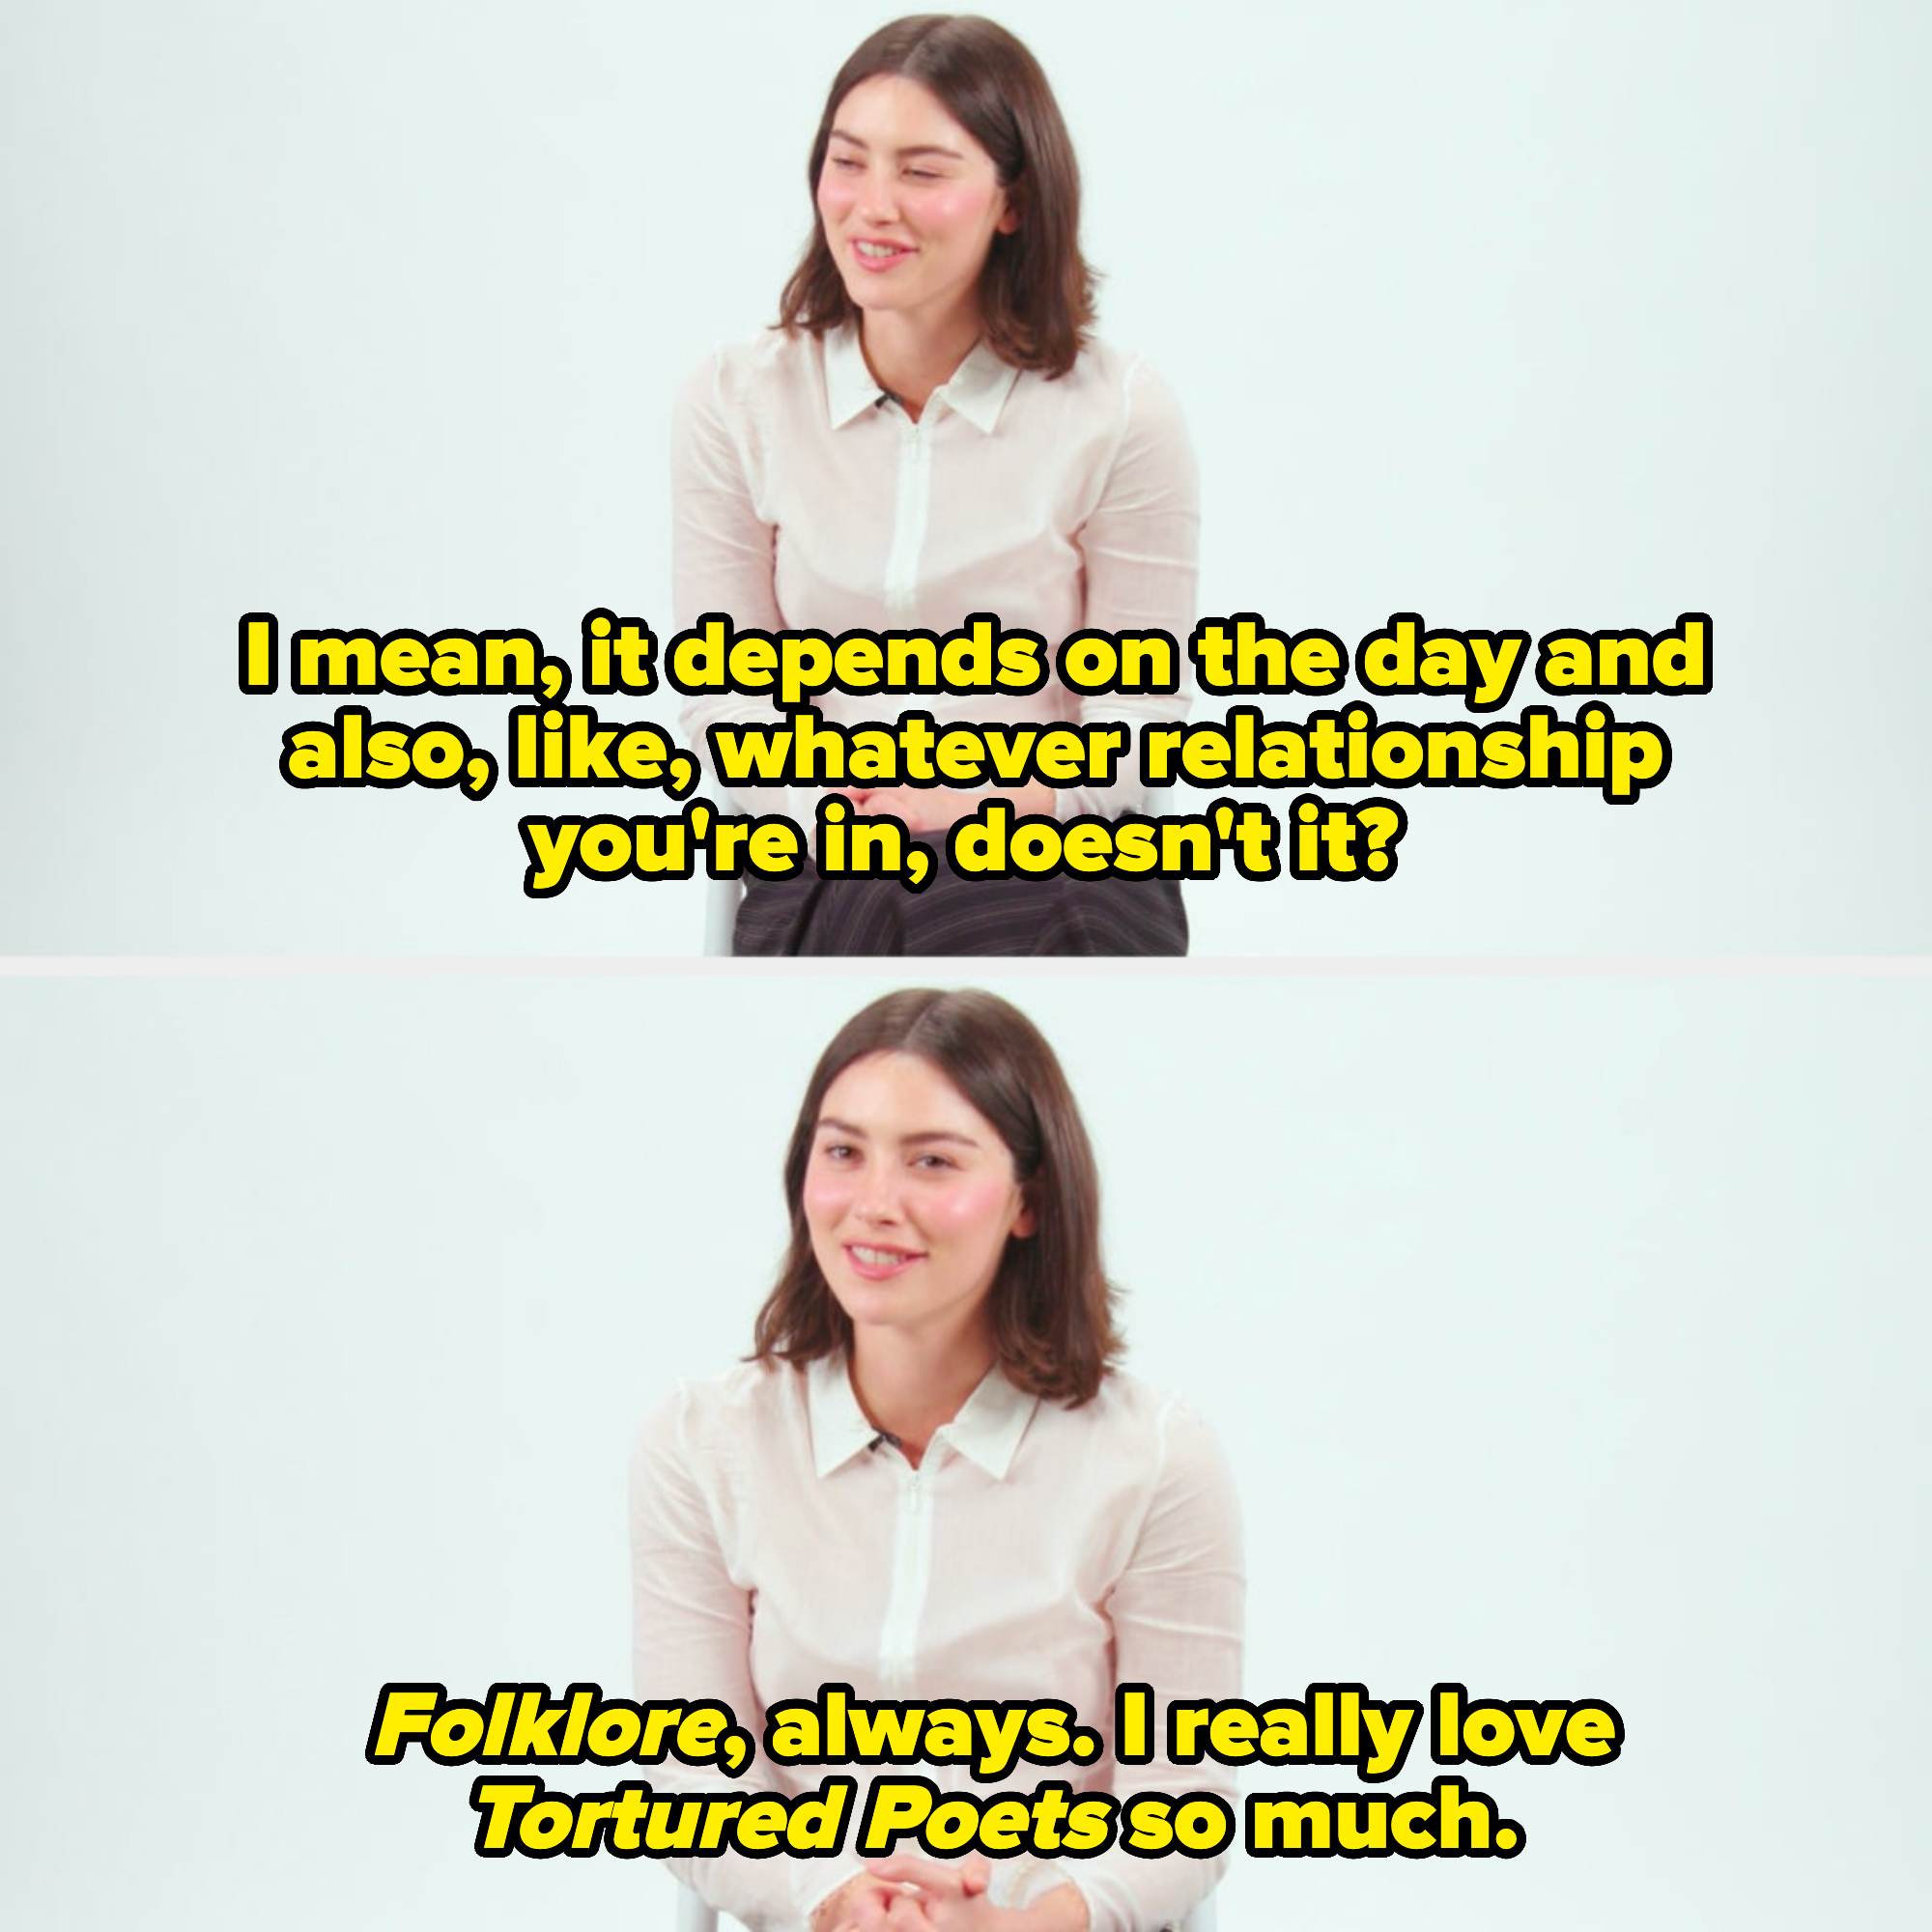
x=695 y=1915
x=720 y=919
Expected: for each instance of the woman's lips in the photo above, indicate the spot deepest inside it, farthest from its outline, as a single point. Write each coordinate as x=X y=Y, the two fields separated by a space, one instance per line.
x=875 y=257
x=871 y=1262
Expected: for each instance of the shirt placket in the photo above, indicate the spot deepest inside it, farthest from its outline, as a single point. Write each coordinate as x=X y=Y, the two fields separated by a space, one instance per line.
x=911 y=499
x=912 y=1575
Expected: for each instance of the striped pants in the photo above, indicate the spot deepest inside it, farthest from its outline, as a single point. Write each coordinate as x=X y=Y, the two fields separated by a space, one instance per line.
x=1010 y=917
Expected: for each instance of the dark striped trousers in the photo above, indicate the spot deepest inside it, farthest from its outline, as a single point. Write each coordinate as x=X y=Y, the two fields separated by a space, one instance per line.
x=1103 y=918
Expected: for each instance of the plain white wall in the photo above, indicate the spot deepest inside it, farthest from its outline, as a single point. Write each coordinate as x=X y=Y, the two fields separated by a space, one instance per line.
x=1565 y=1327
x=1514 y=315
x=1567 y=1334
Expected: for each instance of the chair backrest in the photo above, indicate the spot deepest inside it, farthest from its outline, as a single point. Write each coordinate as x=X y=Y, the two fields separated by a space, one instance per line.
x=720 y=909
x=720 y=916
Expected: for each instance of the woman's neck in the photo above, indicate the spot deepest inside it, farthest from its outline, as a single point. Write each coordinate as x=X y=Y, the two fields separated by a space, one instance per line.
x=910 y=1392
x=910 y=359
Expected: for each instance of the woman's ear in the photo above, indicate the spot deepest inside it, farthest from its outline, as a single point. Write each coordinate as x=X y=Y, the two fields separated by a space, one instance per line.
x=1009 y=215
x=1024 y=1222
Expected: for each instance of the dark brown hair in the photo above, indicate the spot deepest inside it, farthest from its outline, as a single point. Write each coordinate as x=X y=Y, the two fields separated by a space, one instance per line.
x=1037 y=291
x=1052 y=1306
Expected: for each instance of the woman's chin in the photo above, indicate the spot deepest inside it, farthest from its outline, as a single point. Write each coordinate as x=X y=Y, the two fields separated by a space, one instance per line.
x=867 y=294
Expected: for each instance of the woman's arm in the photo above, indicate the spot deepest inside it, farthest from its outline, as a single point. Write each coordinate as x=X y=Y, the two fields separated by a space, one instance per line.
x=691 y=1638
x=1140 y=547
x=1178 y=1615
x=723 y=556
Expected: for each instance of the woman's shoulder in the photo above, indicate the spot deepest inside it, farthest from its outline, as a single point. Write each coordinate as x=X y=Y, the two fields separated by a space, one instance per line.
x=1120 y=386
x=1111 y=368
x=739 y=1407
x=1109 y=362
x=772 y=358
x=1186 y=1468
x=1143 y=1446
x=1131 y=1409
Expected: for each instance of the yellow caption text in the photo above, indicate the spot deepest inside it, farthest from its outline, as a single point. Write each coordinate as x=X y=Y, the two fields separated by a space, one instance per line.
x=1148 y=1743
x=812 y=790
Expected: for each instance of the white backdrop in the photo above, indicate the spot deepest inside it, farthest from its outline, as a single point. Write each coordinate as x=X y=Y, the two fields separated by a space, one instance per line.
x=1565 y=1327
x=1567 y=1333
x=1514 y=315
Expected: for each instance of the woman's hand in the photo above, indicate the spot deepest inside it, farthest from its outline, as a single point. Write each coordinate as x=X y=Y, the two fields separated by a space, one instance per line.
x=936 y=807
x=910 y=1895
x=870 y=1903
x=954 y=1897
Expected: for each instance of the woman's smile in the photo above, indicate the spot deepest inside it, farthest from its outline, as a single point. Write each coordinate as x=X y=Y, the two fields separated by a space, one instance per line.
x=880 y=1264
x=877 y=255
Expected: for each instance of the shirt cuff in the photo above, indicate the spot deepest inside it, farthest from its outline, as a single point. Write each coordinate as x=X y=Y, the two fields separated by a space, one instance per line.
x=814 y=1880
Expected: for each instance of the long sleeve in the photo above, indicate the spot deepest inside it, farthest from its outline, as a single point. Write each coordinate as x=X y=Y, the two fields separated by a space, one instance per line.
x=1177 y=1617
x=691 y=1638
x=1140 y=549
x=722 y=553
x=721 y=550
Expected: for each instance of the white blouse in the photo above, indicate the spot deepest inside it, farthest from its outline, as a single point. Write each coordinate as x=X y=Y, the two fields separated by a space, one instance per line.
x=780 y=1545
x=804 y=499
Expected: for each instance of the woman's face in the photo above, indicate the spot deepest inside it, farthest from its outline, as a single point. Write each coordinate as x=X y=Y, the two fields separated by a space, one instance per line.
x=910 y=203
x=910 y=1198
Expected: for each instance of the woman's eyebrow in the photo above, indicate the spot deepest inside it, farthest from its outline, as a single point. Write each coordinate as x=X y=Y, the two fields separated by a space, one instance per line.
x=852 y=1130
x=852 y=140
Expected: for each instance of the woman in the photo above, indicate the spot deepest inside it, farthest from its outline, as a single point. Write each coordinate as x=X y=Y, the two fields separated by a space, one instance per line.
x=930 y=433
x=928 y=1481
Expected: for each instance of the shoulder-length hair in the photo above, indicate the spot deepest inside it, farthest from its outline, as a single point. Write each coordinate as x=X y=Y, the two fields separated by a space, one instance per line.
x=1051 y=1304
x=1037 y=291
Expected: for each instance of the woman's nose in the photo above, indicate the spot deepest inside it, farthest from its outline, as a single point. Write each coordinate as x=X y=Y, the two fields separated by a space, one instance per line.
x=878 y=198
x=878 y=1199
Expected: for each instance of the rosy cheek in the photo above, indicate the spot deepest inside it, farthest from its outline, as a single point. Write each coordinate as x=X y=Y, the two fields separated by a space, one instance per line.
x=955 y=208
x=970 y=1206
x=825 y=1200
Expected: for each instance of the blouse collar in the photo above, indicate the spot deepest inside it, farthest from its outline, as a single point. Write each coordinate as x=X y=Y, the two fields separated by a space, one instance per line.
x=978 y=390
x=986 y=1431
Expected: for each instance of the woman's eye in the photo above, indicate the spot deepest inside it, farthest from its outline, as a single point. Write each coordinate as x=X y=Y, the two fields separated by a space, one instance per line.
x=923 y=174
x=845 y=164
x=932 y=1162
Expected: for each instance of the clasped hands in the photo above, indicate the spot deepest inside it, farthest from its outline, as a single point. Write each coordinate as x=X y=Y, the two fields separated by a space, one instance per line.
x=909 y=1894
x=936 y=807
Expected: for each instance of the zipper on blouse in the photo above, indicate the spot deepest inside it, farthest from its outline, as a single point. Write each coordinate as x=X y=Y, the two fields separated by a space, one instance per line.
x=912 y=1571
x=909 y=514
